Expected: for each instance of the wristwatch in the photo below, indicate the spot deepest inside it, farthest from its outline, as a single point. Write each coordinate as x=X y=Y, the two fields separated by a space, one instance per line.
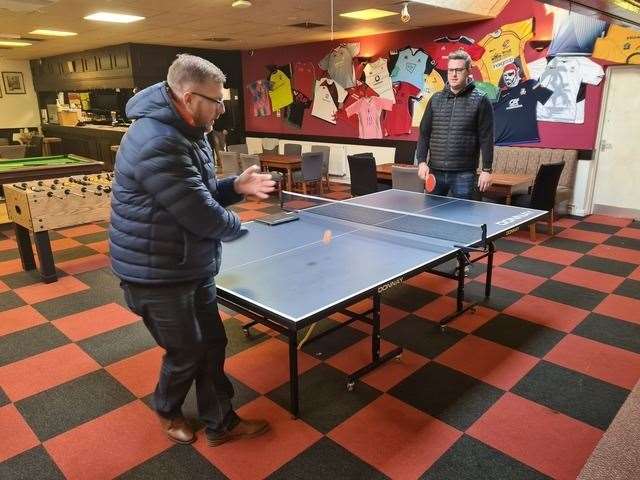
x=487 y=170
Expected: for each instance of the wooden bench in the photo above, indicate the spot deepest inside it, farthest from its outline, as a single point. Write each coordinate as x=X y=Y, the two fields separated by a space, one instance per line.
x=527 y=160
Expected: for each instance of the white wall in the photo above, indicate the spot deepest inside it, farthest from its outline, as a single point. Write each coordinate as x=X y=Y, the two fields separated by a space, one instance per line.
x=18 y=111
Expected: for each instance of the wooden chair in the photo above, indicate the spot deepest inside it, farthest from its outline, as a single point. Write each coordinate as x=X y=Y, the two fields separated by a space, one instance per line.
x=292 y=149
x=311 y=171
x=543 y=194
x=362 y=170
x=34 y=148
x=230 y=163
x=406 y=178
x=326 y=152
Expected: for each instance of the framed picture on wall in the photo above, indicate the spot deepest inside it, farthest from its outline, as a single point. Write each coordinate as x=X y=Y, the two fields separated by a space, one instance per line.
x=13 y=83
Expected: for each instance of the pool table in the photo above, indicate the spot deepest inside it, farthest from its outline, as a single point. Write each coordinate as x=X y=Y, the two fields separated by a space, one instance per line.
x=38 y=168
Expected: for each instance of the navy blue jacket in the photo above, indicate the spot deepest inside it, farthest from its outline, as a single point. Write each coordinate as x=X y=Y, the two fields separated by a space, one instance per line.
x=168 y=211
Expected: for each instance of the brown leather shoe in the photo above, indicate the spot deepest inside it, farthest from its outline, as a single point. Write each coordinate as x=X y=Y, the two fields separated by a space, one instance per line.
x=178 y=430
x=244 y=429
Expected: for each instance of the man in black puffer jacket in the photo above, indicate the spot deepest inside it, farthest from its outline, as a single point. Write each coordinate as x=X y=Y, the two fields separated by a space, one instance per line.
x=456 y=127
x=168 y=218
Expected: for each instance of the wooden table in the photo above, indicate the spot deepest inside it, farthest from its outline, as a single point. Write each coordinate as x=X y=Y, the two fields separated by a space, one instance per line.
x=289 y=163
x=503 y=184
x=48 y=145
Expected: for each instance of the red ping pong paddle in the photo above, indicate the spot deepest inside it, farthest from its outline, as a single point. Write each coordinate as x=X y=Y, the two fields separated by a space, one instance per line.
x=430 y=183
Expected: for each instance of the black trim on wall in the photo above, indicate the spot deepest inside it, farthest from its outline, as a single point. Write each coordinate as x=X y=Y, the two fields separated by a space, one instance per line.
x=405 y=149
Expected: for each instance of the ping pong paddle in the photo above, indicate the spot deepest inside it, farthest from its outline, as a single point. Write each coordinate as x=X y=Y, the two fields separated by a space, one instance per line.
x=430 y=182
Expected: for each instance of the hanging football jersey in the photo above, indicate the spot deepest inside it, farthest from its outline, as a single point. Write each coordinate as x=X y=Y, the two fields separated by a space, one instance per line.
x=441 y=47
x=280 y=93
x=353 y=95
x=327 y=97
x=339 y=64
x=304 y=77
x=502 y=47
x=619 y=45
x=515 y=113
x=489 y=89
x=398 y=120
x=378 y=78
x=410 y=66
x=295 y=114
x=259 y=91
x=432 y=83
x=564 y=76
x=369 y=110
x=576 y=35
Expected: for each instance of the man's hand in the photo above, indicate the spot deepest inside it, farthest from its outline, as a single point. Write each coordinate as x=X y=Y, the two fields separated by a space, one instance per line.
x=252 y=182
x=423 y=170
x=484 y=181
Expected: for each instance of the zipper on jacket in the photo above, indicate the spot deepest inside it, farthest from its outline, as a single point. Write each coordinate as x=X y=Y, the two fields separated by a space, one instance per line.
x=453 y=109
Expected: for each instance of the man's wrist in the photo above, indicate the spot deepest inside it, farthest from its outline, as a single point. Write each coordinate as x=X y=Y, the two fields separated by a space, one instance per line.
x=487 y=170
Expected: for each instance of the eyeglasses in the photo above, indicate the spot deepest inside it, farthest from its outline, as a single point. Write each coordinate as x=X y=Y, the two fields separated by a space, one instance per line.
x=217 y=101
x=457 y=71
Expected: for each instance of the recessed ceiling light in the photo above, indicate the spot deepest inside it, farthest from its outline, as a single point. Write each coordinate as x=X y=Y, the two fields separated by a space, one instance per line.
x=368 y=14
x=52 y=33
x=113 y=17
x=14 y=43
x=241 y=4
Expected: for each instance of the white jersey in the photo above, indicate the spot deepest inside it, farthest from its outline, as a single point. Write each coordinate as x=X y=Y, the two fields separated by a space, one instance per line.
x=327 y=97
x=378 y=78
x=563 y=76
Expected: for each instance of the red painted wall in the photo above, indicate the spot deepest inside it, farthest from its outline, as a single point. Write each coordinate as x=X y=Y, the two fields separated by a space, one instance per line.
x=552 y=135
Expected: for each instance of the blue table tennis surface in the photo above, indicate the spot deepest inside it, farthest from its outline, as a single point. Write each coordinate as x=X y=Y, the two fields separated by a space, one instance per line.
x=289 y=271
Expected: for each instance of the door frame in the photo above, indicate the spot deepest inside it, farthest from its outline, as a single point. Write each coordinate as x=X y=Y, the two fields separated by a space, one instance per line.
x=591 y=181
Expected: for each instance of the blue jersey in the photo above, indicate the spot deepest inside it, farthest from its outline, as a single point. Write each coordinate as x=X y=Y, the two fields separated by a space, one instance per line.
x=411 y=64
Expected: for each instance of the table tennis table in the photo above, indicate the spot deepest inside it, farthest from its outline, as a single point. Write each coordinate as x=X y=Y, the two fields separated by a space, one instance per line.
x=291 y=275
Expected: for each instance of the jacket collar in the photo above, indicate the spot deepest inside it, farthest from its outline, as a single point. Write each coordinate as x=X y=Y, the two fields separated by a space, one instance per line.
x=468 y=88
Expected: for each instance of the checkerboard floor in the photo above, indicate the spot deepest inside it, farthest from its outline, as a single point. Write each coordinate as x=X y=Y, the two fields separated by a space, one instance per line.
x=522 y=388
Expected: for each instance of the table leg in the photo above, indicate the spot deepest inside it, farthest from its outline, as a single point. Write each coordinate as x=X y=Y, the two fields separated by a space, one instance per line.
x=290 y=179
x=293 y=373
x=24 y=247
x=47 y=266
x=375 y=334
x=507 y=200
x=487 y=281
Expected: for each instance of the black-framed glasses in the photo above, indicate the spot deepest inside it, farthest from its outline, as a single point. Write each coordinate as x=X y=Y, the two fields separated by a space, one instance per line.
x=217 y=101
x=457 y=71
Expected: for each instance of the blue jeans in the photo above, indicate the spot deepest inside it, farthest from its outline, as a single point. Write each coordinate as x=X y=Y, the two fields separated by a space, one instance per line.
x=459 y=184
x=184 y=320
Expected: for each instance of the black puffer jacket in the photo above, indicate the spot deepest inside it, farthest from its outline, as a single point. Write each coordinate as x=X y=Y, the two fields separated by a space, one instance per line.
x=455 y=128
x=168 y=211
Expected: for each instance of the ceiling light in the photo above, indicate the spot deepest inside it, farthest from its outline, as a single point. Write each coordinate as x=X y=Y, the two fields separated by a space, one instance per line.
x=241 y=4
x=368 y=14
x=52 y=33
x=113 y=17
x=14 y=43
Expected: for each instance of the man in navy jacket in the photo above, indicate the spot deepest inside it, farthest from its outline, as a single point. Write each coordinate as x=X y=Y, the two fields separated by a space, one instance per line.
x=168 y=218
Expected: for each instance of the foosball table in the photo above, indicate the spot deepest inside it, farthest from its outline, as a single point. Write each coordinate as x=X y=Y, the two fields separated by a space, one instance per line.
x=42 y=205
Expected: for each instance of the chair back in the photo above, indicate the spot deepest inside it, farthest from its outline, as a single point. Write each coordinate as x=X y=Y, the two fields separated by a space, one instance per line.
x=34 y=148
x=13 y=151
x=230 y=163
x=362 y=170
x=270 y=145
x=326 y=152
x=543 y=193
x=406 y=178
x=247 y=161
x=292 y=149
x=311 y=166
x=238 y=148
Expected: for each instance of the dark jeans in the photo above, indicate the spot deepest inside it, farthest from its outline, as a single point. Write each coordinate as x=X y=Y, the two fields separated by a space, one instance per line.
x=184 y=320
x=459 y=184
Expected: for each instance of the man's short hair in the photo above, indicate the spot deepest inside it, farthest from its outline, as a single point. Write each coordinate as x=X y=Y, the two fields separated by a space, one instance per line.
x=188 y=69
x=461 y=55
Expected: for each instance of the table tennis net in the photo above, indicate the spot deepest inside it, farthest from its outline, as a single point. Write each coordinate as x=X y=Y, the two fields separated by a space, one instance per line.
x=449 y=231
